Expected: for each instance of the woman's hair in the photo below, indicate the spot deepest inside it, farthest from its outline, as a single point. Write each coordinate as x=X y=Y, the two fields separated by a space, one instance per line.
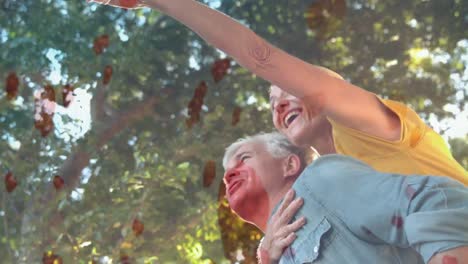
x=276 y=144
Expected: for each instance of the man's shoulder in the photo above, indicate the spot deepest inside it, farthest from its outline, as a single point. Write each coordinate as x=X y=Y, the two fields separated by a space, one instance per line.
x=335 y=163
x=334 y=173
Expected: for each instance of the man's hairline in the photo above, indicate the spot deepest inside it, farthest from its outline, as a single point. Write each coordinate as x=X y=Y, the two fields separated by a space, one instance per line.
x=250 y=140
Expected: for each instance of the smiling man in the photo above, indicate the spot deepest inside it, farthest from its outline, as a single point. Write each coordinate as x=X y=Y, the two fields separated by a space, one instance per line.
x=357 y=215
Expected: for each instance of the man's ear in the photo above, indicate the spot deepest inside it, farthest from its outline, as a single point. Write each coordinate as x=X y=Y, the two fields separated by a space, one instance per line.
x=291 y=166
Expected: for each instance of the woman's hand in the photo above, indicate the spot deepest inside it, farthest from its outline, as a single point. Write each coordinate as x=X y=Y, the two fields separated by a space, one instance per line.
x=279 y=232
x=128 y=4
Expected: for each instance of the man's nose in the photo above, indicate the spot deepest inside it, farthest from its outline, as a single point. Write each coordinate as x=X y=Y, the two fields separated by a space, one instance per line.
x=230 y=174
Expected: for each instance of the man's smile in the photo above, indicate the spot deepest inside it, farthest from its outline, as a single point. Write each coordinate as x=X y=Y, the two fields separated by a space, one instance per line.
x=234 y=186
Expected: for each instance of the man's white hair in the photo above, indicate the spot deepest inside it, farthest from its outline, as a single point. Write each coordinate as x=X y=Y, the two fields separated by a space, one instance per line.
x=276 y=144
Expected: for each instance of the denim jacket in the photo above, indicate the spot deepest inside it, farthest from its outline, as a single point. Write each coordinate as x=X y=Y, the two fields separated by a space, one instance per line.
x=358 y=215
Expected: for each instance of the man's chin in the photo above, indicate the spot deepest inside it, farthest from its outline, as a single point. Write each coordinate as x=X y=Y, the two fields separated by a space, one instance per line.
x=239 y=212
x=235 y=204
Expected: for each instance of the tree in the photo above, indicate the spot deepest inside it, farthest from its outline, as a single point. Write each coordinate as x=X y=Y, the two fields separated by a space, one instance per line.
x=139 y=160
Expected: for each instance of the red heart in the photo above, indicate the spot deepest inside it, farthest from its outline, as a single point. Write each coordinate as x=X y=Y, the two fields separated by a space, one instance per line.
x=128 y=3
x=10 y=182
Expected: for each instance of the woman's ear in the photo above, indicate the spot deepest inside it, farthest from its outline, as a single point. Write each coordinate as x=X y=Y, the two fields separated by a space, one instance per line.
x=292 y=166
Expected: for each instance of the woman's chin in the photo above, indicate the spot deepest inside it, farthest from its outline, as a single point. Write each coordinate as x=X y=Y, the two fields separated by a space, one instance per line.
x=299 y=138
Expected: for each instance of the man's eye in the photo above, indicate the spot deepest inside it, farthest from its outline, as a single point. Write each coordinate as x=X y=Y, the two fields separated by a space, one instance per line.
x=272 y=105
x=243 y=158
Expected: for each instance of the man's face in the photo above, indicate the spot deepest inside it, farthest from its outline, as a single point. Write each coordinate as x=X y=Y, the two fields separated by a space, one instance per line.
x=250 y=177
x=292 y=118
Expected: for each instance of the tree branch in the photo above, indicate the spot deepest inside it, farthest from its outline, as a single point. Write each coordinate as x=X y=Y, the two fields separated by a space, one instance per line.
x=73 y=167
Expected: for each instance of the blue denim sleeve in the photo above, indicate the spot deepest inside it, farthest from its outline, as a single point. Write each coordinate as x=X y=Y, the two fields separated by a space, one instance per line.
x=429 y=214
x=437 y=217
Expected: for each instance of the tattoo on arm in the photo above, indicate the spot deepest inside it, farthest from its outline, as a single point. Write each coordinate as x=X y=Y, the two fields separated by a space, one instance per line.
x=260 y=52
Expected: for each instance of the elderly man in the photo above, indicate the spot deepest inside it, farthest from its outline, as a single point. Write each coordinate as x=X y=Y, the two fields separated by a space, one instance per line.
x=355 y=214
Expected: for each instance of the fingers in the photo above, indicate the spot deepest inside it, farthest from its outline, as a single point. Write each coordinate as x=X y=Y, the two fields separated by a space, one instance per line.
x=287 y=241
x=286 y=201
x=282 y=244
x=280 y=233
x=293 y=227
x=291 y=210
x=275 y=249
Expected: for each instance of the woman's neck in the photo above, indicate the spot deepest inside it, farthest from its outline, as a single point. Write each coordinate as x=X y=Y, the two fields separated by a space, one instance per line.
x=323 y=142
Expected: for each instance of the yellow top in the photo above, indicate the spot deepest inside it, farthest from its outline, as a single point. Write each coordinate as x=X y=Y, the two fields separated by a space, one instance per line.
x=420 y=150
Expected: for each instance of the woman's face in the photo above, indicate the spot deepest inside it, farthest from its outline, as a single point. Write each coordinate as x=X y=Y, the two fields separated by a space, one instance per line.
x=293 y=118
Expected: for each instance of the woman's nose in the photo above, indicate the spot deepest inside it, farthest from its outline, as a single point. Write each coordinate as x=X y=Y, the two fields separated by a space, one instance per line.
x=281 y=106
